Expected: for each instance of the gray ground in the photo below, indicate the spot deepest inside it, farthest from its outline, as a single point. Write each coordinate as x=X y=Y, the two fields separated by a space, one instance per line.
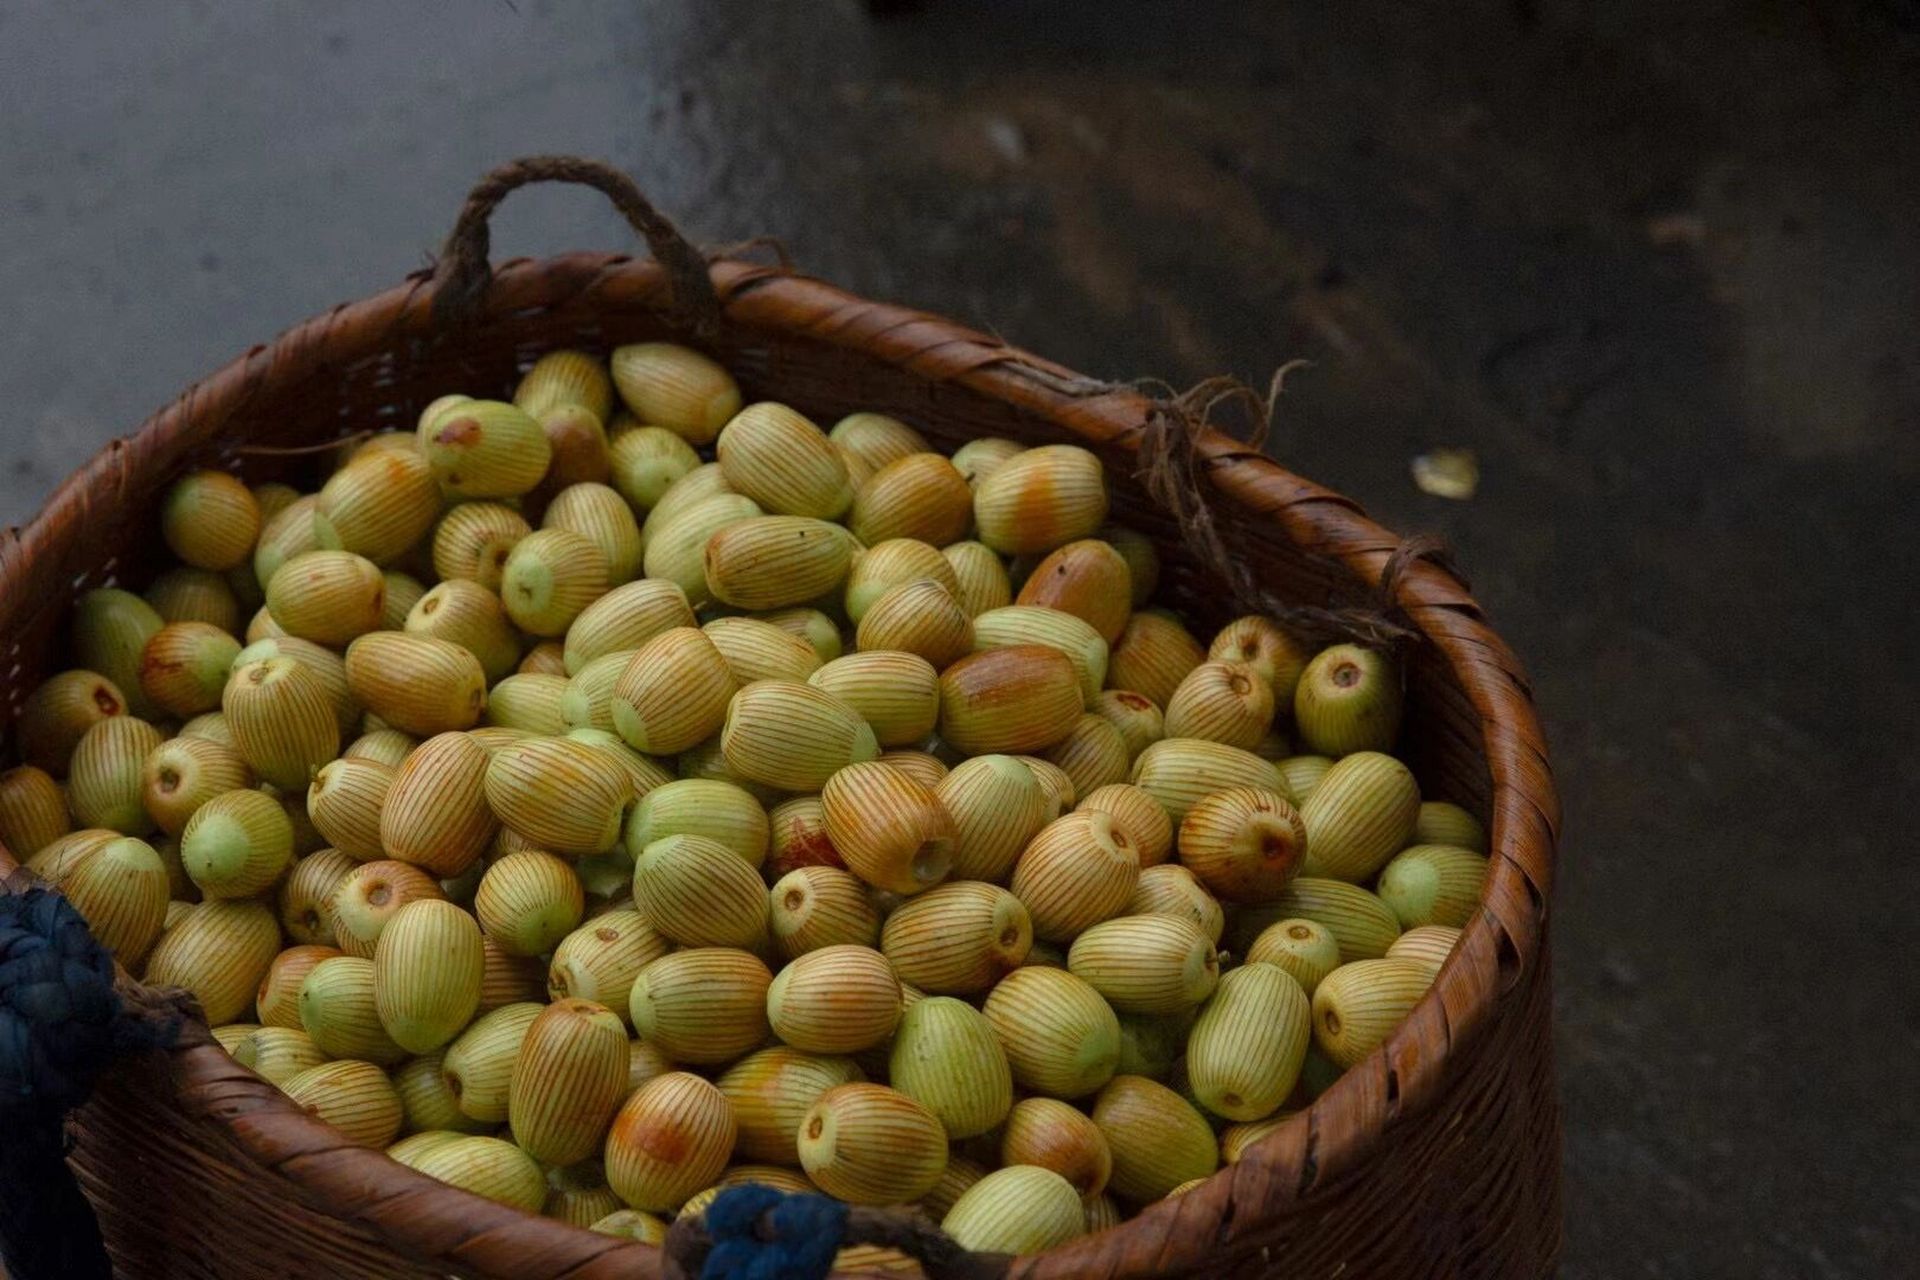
x=1656 y=264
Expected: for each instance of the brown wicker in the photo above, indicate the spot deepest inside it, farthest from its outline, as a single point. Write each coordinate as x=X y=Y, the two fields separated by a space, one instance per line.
x=1439 y=1155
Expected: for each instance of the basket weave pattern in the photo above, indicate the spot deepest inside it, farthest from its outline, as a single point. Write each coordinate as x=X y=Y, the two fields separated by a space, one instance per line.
x=1439 y=1155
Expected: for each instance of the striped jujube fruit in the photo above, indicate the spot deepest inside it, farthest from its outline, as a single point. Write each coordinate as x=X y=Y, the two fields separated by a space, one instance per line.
x=784 y=462
x=559 y=794
x=699 y=893
x=1307 y=950
x=959 y=938
x=354 y=1097
x=771 y=1091
x=1152 y=656
x=1426 y=945
x=997 y=805
x=337 y=1011
x=868 y=1144
x=1147 y=963
x=488 y=1167
x=569 y=1079
x=1157 y=1139
x=599 y=960
x=1357 y=1006
x=478 y=1065
x=1055 y=1135
x=1362 y=813
x=1348 y=699
x=1061 y=1037
x=836 y=1000
x=527 y=901
x=219 y=952
x=758 y=650
x=1020 y=1209
x=1244 y=843
x=702 y=1006
x=670 y=1139
x=891 y=830
x=946 y=1057
x=427 y=968
x=1244 y=1055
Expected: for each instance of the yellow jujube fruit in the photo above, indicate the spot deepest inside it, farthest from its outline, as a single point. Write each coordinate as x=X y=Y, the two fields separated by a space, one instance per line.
x=1244 y=1056
x=959 y=938
x=1078 y=871
x=436 y=814
x=478 y=1066
x=1357 y=1006
x=892 y=831
x=1360 y=815
x=1432 y=884
x=670 y=1139
x=1060 y=1036
x=673 y=693
x=1348 y=699
x=1088 y=579
x=1040 y=499
x=946 y=1056
x=770 y=562
x=1055 y=1135
x=1147 y=964
x=839 y=999
x=354 y=1097
x=1021 y=1209
x=868 y=1144
x=1011 y=700
x=568 y=1081
x=997 y=806
x=703 y=1005
x=379 y=505
x=209 y=519
x=427 y=968
x=1307 y=950
x=485 y=449
x=328 y=597
x=699 y=893
x=1157 y=1139
x=666 y=385
x=772 y=1090
x=793 y=736
x=599 y=960
x=560 y=794
x=1152 y=656
x=1244 y=843
x=784 y=462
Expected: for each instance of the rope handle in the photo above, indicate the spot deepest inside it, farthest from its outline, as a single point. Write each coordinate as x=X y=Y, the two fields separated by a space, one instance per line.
x=462 y=274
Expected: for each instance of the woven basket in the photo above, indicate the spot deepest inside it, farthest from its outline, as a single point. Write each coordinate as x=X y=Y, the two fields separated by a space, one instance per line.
x=1439 y=1155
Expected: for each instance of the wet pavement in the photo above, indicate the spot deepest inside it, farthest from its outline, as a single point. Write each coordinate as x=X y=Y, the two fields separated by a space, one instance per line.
x=1657 y=266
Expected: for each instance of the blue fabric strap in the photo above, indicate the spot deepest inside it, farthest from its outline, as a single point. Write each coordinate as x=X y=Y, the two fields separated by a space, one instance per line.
x=804 y=1234
x=61 y=1023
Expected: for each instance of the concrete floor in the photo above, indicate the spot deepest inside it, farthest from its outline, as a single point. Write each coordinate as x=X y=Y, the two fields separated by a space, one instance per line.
x=1655 y=264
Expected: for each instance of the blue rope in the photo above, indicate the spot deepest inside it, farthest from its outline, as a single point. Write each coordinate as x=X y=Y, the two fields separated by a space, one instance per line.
x=61 y=1024
x=805 y=1235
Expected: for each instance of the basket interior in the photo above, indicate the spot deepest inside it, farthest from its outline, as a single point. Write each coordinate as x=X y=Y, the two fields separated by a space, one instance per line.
x=115 y=542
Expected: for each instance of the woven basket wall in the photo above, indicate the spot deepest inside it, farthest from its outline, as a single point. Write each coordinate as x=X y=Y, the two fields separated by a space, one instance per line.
x=1437 y=1156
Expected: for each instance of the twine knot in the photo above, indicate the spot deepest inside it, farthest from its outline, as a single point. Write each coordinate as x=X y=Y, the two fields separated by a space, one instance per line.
x=60 y=1018
x=760 y=1234
x=753 y=1232
x=61 y=1024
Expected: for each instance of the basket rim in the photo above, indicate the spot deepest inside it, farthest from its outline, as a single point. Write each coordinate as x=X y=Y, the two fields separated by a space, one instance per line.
x=1315 y=1150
